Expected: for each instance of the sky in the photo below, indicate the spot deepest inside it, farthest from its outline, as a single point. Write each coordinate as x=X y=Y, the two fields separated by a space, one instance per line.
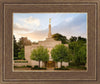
x=34 y=26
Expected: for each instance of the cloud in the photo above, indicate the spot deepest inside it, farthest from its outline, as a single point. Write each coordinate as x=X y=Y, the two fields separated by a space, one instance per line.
x=72 y=26
x=31 y=20
x=37 y=35
x=20 y=29
x=69 y=19
x=26 y=25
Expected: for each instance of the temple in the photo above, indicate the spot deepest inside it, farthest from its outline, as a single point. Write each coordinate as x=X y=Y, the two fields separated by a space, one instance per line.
x=49 y=43
x=49 y=33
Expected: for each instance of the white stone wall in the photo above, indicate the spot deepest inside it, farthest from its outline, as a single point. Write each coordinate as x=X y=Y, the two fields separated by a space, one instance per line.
x=28 y=54
x=49 y=43
x=63 y=64
x=20 y=64
x=33 y=63
x=59 y=64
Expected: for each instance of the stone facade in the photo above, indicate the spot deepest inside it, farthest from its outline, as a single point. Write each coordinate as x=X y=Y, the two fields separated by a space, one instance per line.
x=49 y=43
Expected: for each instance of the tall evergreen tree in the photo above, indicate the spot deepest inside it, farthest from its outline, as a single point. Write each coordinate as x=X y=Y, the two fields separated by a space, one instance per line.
x=15 y=48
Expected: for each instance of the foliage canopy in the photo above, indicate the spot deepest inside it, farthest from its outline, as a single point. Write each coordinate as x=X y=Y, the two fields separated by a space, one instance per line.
x=40 y=54
x=60 y=53
x=60 y=37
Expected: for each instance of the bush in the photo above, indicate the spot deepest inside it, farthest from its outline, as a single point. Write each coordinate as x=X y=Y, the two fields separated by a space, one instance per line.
x=21 y=61
x=36 y=67
x=42 y=68
x=72 y=64
x=62 y=68
x=29 y=66
x=24 y=59
x=75 y=64
x=16 y=58
x=19 y=66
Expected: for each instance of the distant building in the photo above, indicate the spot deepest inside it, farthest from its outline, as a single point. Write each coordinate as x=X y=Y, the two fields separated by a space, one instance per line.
x=49 y=43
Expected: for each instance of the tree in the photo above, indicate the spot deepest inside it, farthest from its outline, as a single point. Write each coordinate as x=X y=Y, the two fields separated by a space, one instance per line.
x=73 y=38
x=19 y=47
x=21 y=54
x=21 y=43
x=78 y=50
x=59 y=53
x=40 y=54
x=82 y=39
x=60 y=37
x=81 y=56
x=24 y=41
x=15 y=48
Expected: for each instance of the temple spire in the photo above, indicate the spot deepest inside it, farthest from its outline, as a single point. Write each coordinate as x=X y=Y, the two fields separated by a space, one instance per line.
x=49 y=33
x=49 y=20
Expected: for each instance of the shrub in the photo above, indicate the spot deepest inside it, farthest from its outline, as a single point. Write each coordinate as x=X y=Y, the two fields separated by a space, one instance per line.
x=15 y=58
x=19 y=66
x=29 y=66
x=72 y=64
x=21 y=61
x=36 y=67
x=42 y=68
x=62 y=68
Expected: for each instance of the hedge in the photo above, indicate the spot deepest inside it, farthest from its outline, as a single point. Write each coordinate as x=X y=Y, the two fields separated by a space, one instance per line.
x=21 y=61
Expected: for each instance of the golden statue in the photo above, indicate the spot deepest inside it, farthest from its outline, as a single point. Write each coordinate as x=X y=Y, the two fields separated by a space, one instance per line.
x=49 y=20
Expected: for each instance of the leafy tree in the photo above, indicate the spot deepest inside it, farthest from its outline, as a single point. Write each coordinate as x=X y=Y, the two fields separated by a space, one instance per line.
x=73 y=38
x=60 y=53
x=19 y=47
x=82 y=39
x=21 y=54
x=81 y=56
x=24 y=41
x=78 y=50
x=40 y=54
x=21 y=43
x=60 y=37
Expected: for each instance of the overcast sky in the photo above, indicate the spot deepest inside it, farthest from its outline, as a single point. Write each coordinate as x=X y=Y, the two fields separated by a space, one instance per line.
x=34 y=26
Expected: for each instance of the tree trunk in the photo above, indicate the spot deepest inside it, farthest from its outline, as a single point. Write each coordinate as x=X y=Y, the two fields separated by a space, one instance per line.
x=61 y=63
x=39 y=63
